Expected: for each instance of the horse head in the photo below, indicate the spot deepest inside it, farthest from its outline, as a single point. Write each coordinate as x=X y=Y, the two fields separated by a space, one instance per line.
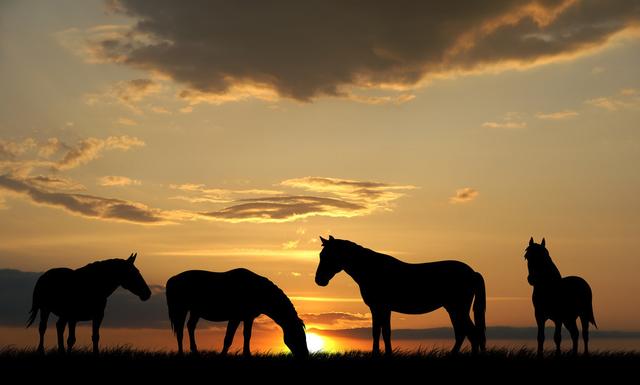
x=132 y=280
x=539 y=263
x=330 y=261
x=295 y=337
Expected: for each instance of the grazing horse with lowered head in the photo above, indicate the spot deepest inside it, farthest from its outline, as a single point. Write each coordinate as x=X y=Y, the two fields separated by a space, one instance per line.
x=559 y=299
x=388 y=284
x=81 y=295
x=236 y=296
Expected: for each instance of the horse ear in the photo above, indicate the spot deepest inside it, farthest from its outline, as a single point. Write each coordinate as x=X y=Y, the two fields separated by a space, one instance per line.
x=132 y=258
x=324 y=241
x=543 y=243
x=531 y=241
x=331 y=238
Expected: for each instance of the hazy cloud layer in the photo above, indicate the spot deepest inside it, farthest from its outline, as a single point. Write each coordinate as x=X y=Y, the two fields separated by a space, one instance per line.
x=224 y=51
x=464 y=195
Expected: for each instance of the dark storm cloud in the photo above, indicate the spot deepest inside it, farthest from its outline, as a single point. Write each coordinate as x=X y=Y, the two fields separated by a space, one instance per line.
x=306 y=49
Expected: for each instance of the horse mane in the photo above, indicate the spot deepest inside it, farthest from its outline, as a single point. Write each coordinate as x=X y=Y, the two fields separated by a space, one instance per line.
x=101 y=266
x=282 y=304
x=363 y=251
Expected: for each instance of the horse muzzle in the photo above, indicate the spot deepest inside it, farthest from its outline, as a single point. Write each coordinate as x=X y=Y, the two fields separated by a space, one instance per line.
x=145 y=296
x=321 y=281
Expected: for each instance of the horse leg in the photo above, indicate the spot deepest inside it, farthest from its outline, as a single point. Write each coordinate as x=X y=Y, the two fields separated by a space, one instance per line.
x=458 y=330
x=573 y=330
x=178 y=327
x=540 y=320
x=71 y=339
x=60 y=325
x=375 y=320
x=95 y=332
x=585 y=334
x=191 y=328
x=557 y=335
x=386 y=331
x=246 y=332
x=471 y=332
x=228 y=337
x=42 y=328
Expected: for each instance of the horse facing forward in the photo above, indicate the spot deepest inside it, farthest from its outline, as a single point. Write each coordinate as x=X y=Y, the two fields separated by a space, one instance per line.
x=559 y=299
x=81 y=295
x=237 y=295
x=388 y=284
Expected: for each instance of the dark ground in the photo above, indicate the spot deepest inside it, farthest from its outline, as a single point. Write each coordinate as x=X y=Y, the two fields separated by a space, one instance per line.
x=123 y=365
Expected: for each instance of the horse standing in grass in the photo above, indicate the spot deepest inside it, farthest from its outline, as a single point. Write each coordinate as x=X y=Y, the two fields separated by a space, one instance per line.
x=388 y=284
x=559 y=299
x=237 y=295
x=81 y=295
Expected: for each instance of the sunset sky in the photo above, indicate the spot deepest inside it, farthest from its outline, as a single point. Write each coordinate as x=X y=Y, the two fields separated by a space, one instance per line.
x=215 y=135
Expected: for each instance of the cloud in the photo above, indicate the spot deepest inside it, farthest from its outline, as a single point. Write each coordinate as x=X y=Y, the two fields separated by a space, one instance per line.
x=54 y=182
x=291 y=245
x=89 y=206
x=286 y=209
x=203 y=194
x=464 y=195
x=114 y=180
x=126 y=122
x=127 y=93
x=226 y=51
x=20 y=158
x=345 y=198
x=11 y=150
x=89 y=149
x=336 y=320
x=510 y=120
x=371 y=194
x=627 y=98
x=560 y=115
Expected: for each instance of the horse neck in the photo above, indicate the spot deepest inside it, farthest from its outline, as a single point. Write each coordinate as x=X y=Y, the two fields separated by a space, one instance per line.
x=359 y=261
x=279 y=308
x=104 y=278
x=551 y=276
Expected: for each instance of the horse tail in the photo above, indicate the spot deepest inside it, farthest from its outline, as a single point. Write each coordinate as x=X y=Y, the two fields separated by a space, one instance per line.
x=35 y=304
x=479 y=308
x=172 y=303
x=589 y=314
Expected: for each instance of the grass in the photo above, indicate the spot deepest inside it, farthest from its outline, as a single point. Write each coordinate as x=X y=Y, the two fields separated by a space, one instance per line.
x=495 y=365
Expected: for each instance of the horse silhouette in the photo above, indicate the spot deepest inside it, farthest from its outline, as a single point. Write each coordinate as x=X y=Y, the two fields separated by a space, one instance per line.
x=81 y=295
x=559 y=299
x=237 y=295
x=388 y=284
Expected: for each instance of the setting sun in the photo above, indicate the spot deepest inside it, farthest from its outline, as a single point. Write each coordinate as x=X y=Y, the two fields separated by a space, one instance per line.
x=315 y=343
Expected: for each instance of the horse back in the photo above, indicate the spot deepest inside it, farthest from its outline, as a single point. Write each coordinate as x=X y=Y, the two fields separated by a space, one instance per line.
x=68 y=294
x=218 y=296
x=417 y=288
